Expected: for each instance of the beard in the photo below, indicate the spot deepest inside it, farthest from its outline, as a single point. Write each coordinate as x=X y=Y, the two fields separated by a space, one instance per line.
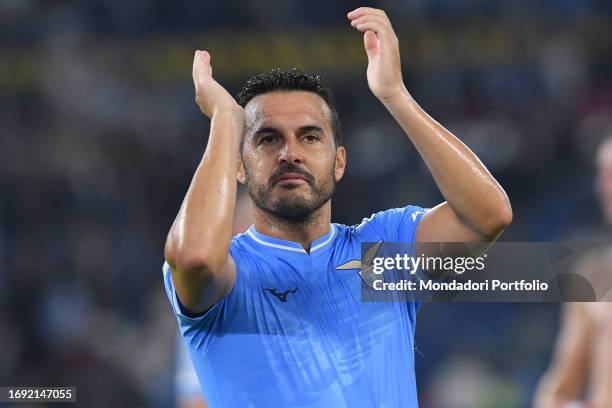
x=296 y=208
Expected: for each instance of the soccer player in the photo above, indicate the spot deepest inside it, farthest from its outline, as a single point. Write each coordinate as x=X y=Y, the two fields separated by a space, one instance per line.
x=583 y=354
x=268 y=320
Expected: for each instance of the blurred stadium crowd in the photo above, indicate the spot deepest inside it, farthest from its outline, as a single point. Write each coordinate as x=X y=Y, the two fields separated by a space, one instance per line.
x=100 y=137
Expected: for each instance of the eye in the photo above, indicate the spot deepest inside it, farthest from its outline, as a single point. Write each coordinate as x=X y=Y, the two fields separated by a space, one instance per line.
x=267 y=139
x=311 y=138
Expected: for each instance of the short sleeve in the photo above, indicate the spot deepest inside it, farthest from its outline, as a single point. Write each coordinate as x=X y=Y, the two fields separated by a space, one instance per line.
x=198 y=330
x=177 y=308
x=398 y=224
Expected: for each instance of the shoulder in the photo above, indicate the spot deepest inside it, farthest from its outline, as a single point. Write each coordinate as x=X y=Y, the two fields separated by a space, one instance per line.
x=240 y=239
x=242 y=247
x=249 y=259
x=392 y=225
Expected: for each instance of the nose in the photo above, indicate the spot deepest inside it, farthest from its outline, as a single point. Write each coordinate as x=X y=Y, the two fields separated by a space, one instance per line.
x=291 y=152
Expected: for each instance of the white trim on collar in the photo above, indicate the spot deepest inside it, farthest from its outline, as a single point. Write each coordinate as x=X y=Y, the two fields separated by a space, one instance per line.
x=327 y=241
x=293 y=249
x=262 y=242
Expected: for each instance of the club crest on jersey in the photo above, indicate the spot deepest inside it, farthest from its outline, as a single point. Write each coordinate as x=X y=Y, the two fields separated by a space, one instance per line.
x=365 y=265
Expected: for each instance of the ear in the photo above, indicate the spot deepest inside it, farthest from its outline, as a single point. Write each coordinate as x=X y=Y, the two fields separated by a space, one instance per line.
x=240 y=176
x=340 y=162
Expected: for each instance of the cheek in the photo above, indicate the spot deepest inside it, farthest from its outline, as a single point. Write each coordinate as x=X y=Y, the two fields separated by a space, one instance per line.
x=327 y=167
x=258 y=169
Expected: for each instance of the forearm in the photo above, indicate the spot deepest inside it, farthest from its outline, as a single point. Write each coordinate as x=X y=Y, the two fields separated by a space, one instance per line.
x=568 y=372
x=466 y=184
x=555 y=389
x=202 y=230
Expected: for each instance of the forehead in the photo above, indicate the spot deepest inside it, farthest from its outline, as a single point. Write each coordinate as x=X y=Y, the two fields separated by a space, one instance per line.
x=287 y=108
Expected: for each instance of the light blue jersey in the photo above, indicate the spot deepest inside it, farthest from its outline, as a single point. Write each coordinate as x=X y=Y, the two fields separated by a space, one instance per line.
x=186 y=385
x=293 y=331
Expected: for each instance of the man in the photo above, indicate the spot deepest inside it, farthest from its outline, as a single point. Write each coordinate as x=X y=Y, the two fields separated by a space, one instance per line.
x=583 y=352
x=268 y=320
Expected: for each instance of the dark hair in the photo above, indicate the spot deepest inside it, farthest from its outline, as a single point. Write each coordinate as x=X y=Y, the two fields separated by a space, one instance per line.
x=290 y=80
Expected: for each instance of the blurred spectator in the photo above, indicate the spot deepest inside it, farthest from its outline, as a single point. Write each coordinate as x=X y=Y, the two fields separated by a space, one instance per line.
x=581 y=368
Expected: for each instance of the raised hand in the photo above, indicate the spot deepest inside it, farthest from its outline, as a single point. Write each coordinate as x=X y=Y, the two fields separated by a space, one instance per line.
x=210 y=96
x=382 y=47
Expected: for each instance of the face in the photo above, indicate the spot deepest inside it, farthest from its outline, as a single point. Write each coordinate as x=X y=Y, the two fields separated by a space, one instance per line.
x=289 y=159
x=604 y=179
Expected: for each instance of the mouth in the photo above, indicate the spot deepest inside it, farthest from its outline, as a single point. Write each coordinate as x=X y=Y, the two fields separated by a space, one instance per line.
x=291 y=179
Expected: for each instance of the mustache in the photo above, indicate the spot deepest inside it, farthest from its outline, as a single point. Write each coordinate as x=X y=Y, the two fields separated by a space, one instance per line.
x=290 y=168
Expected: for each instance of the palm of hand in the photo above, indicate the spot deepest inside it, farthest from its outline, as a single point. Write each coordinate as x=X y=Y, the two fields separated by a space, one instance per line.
x=384 y=68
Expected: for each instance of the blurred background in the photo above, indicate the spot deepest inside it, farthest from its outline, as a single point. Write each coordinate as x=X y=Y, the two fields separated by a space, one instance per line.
x=100 y=136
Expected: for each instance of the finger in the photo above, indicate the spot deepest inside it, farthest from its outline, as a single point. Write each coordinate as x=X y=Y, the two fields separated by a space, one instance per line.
x=204 y=55
x=358 y=12
x=363 y=19
x=205 y=59
x=202 y=62
x=372 y=14
x=380 y=27
x=370 y=43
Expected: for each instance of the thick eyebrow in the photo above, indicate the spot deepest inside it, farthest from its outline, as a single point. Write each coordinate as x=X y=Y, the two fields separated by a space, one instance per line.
x=302 y=129
x=265 y=130
x=311 y=128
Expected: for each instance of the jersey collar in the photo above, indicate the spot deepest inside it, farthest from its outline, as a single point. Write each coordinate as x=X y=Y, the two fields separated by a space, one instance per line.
x=292 y=246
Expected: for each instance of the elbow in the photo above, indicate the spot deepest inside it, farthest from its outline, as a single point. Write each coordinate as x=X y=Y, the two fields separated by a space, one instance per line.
x=190 y=261
x=498 y=220
x=505 y=216
x=189 y=264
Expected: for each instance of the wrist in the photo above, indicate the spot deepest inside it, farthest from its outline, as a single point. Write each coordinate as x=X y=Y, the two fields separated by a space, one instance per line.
x=231 y=119
x=234 y=111
x=399 y=96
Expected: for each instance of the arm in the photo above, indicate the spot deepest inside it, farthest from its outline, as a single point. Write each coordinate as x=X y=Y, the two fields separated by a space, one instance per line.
x=565 y=379
x=197 y=246
x=476 y=207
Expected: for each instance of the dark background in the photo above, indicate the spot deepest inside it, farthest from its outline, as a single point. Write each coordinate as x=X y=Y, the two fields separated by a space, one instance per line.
x=100 y=137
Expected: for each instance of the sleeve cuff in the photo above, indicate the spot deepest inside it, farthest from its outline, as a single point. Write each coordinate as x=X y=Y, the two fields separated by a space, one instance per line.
x=177 y=307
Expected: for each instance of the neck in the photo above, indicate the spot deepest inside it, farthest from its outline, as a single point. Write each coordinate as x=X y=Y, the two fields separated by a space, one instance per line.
x=303 y=231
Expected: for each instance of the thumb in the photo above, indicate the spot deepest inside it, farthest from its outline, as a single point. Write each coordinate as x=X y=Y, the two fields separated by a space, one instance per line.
x=370 y=42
